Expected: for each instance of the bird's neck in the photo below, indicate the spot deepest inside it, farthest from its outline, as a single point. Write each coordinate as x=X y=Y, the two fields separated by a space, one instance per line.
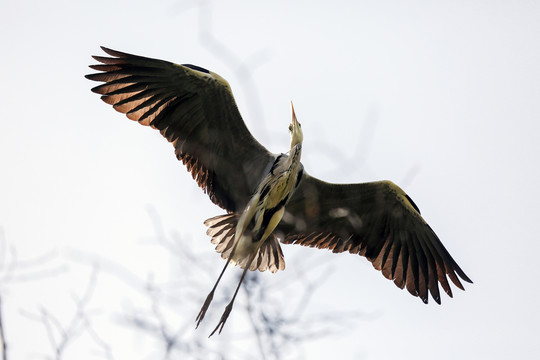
x=294 y=156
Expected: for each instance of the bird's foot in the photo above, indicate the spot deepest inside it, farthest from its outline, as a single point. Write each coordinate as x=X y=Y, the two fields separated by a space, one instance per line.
x=205 y=306
x=223 y=319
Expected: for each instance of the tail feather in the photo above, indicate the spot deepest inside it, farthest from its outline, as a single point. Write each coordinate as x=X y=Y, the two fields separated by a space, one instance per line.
x=271 y=255
x=225 y=244
x=222 y=229
x=217 y=225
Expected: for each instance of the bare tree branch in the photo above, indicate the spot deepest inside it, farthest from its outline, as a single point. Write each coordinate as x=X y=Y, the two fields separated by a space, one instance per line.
x=14 y=270
x=2 y=335
x=60 y=336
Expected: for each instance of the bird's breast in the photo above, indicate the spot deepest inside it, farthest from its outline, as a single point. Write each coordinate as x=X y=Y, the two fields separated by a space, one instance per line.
x=279 y=188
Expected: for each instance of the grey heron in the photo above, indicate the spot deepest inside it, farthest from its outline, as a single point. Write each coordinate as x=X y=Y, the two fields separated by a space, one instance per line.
x=269 y=198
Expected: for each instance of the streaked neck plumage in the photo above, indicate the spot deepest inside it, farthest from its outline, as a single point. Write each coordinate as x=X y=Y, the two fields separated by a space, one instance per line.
x=294 y=156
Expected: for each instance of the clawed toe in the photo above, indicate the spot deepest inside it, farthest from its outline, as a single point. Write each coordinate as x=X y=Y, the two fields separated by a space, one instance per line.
x=223 y=319
x=204 y=308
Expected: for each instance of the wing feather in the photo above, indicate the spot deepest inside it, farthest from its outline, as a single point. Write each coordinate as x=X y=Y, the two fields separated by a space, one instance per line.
x=377 y=220
x=194 y=109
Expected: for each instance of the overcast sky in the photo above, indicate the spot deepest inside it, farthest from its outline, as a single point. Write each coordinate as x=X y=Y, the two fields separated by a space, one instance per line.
x=440 y=97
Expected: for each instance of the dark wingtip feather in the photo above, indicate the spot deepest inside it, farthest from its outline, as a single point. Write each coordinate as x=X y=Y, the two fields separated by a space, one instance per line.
x=100 y=58
x=114 y=52
x=103 y=67
x=96 y=89
x=108 y=60
x=462 y=275
x=455 y=280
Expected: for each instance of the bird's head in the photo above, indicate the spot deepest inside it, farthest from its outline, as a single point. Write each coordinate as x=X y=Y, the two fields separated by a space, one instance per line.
x=295 y=129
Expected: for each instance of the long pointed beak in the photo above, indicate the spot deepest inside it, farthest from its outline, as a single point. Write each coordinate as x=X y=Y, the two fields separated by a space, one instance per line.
x=294 y=120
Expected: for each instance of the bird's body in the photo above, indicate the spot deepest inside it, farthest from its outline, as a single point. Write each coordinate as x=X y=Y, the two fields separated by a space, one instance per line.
x=265 y=209
x=269 y=198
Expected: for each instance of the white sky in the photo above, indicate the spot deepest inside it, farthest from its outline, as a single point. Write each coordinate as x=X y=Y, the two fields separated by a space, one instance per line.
x=440 y=97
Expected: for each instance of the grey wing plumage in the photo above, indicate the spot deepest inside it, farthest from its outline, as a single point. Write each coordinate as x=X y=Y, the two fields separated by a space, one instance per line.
x=377 y=220
x=195 y=110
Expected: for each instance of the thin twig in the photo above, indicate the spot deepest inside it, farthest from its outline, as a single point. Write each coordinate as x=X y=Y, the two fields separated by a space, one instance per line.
x=2 y=335
x=250 y=311
x=60 y=337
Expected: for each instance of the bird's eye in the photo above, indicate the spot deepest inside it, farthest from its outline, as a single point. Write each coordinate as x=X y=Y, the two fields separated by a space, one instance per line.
x=290 y=127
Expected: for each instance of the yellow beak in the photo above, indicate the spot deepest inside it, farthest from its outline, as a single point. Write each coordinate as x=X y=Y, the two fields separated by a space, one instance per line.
x=294 y=121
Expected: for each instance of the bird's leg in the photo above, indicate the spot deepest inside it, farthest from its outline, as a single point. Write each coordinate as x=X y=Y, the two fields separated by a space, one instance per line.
x=210 y=296
x=230 y=306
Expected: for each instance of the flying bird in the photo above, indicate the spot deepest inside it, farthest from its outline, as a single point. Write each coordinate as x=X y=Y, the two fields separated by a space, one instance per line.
x=269 y=198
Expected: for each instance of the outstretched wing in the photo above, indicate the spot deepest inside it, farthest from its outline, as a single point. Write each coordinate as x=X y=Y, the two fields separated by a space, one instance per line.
x=377 y=220
x=195 y=110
